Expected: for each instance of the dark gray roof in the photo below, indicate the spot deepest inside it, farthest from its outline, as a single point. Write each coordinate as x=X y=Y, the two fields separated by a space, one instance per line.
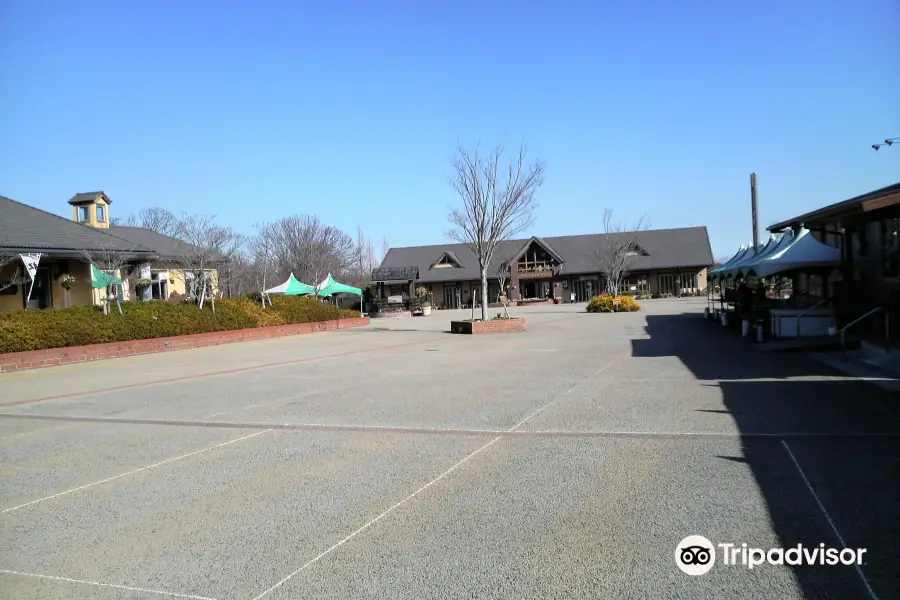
x=166 y=246
x=664 y=248
x=83 y=197
x=26 y=228
x=843 y=208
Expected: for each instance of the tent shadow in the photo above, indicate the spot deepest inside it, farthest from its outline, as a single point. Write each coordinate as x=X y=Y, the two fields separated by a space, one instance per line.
x=840 y=437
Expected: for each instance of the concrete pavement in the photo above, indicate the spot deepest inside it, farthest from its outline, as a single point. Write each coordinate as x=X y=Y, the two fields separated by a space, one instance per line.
x=399 y=461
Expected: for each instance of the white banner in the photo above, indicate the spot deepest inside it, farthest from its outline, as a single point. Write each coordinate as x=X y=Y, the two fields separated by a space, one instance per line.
x=31 y=263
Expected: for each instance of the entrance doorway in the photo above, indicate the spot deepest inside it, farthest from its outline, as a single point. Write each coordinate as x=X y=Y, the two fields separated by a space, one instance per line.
x=535 y=289
x=451 y=297
x=41 y=292
x=585 y=289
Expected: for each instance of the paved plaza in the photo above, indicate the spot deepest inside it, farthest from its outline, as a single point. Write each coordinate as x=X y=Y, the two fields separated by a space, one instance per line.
x=398 y=461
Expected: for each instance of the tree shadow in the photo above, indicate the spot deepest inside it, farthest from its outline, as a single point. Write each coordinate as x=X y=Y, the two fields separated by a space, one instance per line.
x=810 y=436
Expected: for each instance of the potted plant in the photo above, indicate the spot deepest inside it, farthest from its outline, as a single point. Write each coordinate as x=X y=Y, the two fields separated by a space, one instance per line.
x=422 y=295
x=67 y=281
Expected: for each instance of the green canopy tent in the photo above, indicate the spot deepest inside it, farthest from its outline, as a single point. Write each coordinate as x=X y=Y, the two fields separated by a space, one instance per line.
x=292 y=287
x=330 y=287
x=100 y=279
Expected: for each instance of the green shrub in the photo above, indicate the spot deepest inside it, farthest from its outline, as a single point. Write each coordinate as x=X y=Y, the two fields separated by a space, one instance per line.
x=82 y=325
x=605 y=303
x=628 y=304
x=601 y=303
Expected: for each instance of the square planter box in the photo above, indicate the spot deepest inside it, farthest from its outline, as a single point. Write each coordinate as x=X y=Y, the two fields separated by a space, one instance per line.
x=493 y=326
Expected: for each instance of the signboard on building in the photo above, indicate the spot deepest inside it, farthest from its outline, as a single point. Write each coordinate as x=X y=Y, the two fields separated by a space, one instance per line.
x=536 y=274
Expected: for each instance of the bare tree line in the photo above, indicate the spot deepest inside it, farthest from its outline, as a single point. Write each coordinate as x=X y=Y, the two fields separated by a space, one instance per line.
x=251 y=263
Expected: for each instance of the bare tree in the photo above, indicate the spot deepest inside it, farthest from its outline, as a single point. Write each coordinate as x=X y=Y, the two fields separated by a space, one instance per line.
x=205 y=247
x=502 y=276
x=112 y=262
x=232 y=266
x=364 y=260
x=310 y=249
x=261 y=247
x=721 y=260
x=11 y=272
x=385 y=246
x=617 y=249
x=496 y=205
x=155 y=218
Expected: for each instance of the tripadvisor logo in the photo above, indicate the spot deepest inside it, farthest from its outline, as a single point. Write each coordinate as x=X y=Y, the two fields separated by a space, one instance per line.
x=696 y=555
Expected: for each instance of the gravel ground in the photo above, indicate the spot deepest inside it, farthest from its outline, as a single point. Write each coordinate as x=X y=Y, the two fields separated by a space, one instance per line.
x=400 y=461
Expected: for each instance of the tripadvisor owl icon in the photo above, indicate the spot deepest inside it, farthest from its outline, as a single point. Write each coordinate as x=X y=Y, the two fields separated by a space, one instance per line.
x=695 y=555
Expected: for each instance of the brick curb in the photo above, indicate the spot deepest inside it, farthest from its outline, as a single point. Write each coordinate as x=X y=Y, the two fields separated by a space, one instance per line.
x=34 y=359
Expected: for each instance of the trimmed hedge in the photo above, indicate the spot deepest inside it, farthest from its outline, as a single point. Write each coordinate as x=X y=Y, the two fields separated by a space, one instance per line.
x=605 y=303
x=83 y=325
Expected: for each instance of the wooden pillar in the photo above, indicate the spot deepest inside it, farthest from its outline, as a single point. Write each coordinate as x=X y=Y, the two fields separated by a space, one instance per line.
x=844 y=304
x=514 y=293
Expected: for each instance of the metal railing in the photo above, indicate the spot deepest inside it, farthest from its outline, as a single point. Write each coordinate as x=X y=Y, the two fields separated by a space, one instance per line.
x=858 y=319
x=807 y=311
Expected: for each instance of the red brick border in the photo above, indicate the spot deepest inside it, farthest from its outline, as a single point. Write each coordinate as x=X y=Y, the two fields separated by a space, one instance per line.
x=492 y=326
x=18 y=361
x=392 y=314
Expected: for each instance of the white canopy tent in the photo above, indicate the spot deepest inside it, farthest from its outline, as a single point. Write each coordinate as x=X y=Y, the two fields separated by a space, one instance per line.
x=291 y=287
x=719 y=271
x=752 y=253
x=776 y=243
x=803 y=252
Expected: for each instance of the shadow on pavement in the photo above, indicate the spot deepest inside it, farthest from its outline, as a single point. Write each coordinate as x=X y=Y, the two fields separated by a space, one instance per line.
x=839 y=437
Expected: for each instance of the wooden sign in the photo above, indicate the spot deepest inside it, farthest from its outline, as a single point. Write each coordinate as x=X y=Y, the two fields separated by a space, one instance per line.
x=536 y=274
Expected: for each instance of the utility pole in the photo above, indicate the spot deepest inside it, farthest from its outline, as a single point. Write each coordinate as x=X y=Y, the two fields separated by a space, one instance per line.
x=754 y=209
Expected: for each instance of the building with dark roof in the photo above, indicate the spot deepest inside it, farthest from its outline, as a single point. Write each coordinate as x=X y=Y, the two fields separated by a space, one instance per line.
x=66 y=246
x=665 y=261
x=867 y=230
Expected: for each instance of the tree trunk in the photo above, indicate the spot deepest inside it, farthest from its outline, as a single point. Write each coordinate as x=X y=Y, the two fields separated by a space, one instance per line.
x=484 y=294
x=202 y=294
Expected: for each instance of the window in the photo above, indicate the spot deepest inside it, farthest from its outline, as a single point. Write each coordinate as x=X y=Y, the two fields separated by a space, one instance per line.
x=101 y=213
x=194 y=285
x=890 y=245
x=83 y=214
x=667 y=283
x=688 y=282
x=445 y=261
x=536 y=259
x=159 y=285
x=862 y=241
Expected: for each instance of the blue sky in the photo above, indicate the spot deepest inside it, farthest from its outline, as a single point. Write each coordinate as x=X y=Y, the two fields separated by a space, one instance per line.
x=351 y=110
